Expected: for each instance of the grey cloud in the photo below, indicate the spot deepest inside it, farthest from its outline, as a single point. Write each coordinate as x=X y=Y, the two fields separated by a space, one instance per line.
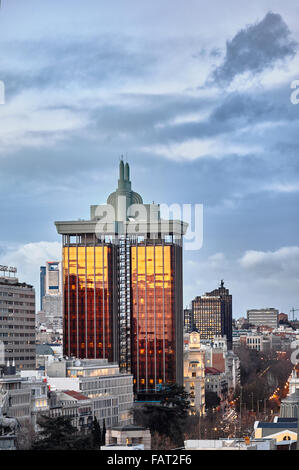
x=255 y=48
x=269 y=283
x=205 y=52
x=87 y=62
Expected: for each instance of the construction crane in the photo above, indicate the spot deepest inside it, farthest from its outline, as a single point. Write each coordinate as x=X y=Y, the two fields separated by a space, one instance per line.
x=293 y=310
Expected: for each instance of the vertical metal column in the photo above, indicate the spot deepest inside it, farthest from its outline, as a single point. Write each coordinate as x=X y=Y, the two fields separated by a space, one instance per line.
x=94 y=298
x=86 y=310
x=146 y=317
x=103 y=298
x=77 y=300
x=124 y=283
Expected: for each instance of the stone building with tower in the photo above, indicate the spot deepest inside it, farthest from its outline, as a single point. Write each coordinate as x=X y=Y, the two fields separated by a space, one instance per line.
x=194 y=373
x=212 y=314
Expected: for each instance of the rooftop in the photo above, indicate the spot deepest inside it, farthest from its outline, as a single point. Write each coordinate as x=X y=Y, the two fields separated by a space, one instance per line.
x=128 y=427
x=76 y=395
x=212 y=371
x=279 y=425
x=13 y=281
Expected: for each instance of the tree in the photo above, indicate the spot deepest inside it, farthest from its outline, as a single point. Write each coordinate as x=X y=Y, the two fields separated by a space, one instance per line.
x=59 y=434
x=211 y=399
x=104 y=433
x=96 y=432
x=168 y=417
x=175 y=396
x=161 y=442
x=25 y=436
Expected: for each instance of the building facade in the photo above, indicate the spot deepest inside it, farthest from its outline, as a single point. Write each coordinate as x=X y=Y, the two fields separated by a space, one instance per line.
x=212 y=314
x=23 y=398
x=188 y=320
x=17 y=322
x=225 y=360
x=129 y=437
x=53 y=278
x=51 y=294
x=74 y=405
x=263 y=317
x=122 y=287
x=216 y=381
x=110 y=390
x=194 y=373
x=42 y=285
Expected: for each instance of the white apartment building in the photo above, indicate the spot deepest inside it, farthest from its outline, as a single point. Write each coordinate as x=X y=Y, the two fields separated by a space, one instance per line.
x=111 y=390
x=263 y=317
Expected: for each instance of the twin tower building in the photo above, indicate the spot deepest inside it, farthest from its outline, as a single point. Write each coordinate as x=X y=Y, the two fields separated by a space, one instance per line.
x=122 y=283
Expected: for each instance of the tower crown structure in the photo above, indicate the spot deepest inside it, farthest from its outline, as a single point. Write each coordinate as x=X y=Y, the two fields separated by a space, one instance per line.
x=123 y=197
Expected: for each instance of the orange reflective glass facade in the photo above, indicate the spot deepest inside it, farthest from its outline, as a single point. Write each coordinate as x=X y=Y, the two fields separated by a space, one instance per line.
x=88 y=310
x=153 y=316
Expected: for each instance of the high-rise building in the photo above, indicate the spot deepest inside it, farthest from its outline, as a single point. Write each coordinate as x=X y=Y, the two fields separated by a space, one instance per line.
x=51 y=287
x=42 y=285
x=122 y=277
x=263 y=317
x=212 y=314
x=188 y=321
x=17 y=322
x=53 y=280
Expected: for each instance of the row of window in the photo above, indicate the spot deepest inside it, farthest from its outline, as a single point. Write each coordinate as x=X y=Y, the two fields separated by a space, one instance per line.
x=15 y=302
x=16 y=294
x=24 y=319
x=5 y=335
x=17 y=327
x=27 y=358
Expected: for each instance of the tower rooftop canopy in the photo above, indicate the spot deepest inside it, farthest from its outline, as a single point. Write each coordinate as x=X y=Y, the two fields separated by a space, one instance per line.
x=124 y=212
x=123 y=197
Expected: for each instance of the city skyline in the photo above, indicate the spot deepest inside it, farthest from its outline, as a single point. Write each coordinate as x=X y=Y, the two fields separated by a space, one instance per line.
x=198 y=124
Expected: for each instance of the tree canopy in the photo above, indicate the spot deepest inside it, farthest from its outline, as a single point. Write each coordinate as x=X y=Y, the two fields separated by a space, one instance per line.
x=168 y=416
x=59 y=434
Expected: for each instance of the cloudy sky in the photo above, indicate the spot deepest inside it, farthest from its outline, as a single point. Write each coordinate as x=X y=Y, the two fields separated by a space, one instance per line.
x=197 y=96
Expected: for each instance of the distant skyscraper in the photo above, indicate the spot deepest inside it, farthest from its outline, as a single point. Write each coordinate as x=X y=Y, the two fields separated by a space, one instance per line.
x=51 y=288
x=188 y=320
x=53 y=281
x=123 y=287
x=17 y=322
x=42 y=285
x=212 y=314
